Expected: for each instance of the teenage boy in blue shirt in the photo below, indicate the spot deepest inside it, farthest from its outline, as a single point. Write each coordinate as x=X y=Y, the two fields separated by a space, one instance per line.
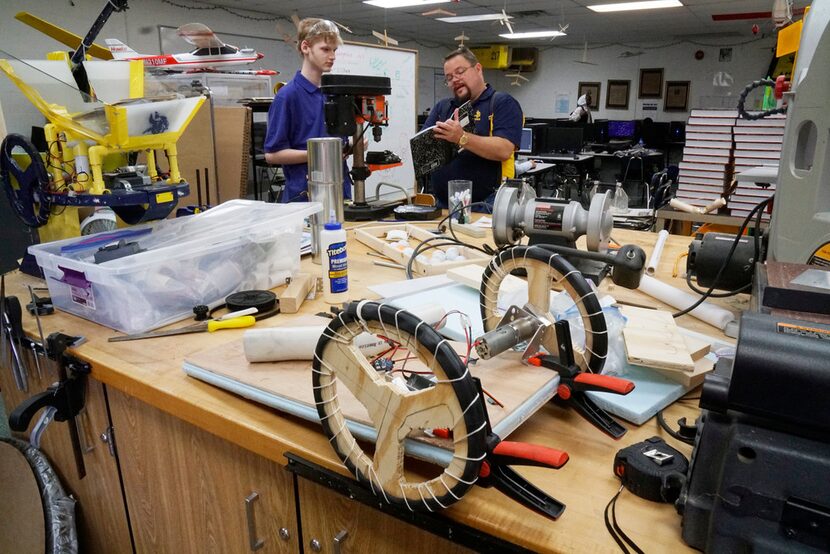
x=487 y=155
x=297 y=115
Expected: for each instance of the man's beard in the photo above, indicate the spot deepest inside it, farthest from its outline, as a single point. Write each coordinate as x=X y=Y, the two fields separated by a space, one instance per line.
x=462 y=98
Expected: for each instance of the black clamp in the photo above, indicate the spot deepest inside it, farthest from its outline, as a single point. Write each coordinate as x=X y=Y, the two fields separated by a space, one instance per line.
x=574 y=383
x=67 y=396
x=496 y=471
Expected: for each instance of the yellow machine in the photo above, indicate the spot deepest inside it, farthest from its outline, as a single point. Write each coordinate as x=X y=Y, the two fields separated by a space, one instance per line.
x=83 y=134
x=99 y=122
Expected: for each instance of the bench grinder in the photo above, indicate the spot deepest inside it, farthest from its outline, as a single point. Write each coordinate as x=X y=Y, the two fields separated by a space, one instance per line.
x=556 y=224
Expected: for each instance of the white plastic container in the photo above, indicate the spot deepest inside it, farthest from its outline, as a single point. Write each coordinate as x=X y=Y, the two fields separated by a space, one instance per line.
x=183 y=262
x=335 y=263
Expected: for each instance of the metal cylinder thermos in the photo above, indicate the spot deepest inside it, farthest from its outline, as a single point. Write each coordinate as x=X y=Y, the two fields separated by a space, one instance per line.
x=325 y=185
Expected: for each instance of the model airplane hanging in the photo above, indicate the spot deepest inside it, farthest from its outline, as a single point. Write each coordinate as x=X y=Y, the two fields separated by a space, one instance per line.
x=386 y=39
x=517 y=78
x=461 y=38
x=210 y=53
x=584 y=59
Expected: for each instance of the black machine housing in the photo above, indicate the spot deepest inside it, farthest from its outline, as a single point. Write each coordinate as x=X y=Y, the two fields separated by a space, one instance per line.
x=759 y=478
x=709 y=251
x=341 y=92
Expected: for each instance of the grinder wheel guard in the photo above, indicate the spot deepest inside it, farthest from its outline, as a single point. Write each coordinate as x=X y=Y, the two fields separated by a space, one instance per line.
x=546 y=269
x=452 y=402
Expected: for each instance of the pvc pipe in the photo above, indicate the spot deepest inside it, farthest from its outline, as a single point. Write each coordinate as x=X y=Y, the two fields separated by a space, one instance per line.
x=654 y=261
x=709 y=313
x=276 y=344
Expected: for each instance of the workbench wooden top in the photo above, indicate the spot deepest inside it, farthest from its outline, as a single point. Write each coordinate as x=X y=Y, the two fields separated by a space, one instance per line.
x=151 y=370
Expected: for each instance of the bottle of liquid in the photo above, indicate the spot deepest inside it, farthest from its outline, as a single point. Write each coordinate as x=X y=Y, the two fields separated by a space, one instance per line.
x=334 y=262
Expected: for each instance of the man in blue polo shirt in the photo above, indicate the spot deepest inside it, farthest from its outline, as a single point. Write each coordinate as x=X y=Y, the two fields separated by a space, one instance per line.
x=487 y=154
x=297 y=115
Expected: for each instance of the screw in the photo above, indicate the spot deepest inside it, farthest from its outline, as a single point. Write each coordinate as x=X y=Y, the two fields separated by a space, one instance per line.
x=284 y=534
x=316 y=546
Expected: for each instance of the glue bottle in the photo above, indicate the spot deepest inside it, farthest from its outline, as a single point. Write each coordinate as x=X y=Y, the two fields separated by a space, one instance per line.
x=335 y=266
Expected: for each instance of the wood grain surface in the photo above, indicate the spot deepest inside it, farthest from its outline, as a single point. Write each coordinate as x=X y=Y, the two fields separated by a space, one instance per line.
x=150 y=371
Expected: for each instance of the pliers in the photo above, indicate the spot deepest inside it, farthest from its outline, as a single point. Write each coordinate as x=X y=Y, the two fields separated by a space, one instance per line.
x=574 y=383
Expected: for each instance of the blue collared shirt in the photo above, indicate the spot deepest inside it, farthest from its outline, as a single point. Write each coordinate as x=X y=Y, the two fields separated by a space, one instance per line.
x=486 y=175
x=295 y=116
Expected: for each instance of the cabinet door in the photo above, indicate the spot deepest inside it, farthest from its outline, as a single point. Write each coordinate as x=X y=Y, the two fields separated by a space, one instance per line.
x=189 y=491
x=100 y=514
x=325 y=515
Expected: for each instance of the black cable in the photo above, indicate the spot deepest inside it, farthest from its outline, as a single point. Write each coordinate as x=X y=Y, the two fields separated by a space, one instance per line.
x=715 y=294
x=742 y=99
x=614 y=529
x=728 y=257
x=661 y=421
x=449 y=220
x=421 y=248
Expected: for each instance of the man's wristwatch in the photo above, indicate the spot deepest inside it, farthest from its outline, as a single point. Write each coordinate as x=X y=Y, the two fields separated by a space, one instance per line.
x=465 y=138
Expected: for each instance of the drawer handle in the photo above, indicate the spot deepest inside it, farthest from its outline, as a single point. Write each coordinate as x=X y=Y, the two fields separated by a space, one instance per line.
x=338 y=540
x=253 y=541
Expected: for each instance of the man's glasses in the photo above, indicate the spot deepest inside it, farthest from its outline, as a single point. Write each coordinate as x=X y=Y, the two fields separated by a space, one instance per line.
x=455 y=75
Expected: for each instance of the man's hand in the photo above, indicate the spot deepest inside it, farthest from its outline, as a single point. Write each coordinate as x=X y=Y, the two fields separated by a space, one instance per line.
x=449 y=130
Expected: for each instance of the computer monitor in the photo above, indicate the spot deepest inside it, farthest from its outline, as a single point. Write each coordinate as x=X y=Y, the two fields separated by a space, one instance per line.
x=540 y=131
x=600 y=131
x=655 y=134
x=526 y=143
x=621 y=129
x=564 y=140
x=677 y=131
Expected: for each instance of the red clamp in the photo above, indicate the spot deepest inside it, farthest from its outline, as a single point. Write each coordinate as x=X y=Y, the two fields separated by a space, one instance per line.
x=782 y=85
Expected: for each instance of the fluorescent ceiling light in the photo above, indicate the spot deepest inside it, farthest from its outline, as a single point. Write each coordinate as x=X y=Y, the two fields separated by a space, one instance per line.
x=534 y=34
x=629 y=6
x=402 y=3
x=471 y=18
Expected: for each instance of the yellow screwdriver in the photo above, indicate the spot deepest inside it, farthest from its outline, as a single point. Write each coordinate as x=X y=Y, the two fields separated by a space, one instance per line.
x=209 y=326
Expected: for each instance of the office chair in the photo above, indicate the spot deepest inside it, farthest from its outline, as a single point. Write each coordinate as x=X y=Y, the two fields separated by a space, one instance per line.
x=274 y=179
x=663 y=187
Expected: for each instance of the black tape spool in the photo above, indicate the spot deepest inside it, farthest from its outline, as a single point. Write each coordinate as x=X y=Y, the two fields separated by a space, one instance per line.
x=264 y=301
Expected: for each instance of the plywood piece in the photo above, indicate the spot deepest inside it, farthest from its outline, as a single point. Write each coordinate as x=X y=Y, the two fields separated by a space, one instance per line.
x=469 y=230
x=195 y=151
x=652 y=339
x=21 y=509
x=510 y=381
x=697 y=348
x=688 y=379
x=375 y=238
x=470 y=275
x=295 y=294
x=233 y=150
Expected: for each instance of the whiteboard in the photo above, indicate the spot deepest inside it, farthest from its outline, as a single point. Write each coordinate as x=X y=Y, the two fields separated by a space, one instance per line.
x=401 y=66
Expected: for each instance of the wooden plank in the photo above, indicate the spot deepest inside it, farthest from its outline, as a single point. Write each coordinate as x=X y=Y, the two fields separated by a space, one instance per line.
x=697 y=348
x=689 y=379
x=195 y=151
x=233 y=144
x=375 y=238
x=510 y=381
x=295 y=294
x=470 y=275
x=470 y=230
x=653 y=340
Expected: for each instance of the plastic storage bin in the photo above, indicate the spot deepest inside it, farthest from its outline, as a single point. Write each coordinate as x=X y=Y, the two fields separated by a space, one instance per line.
x=199 y=259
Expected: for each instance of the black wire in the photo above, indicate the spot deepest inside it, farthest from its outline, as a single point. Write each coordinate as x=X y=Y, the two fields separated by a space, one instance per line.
x=614 y=529
x=715 y=294
x=661 y=421
x=742 y=99
x=449 y=220
x=727 y=259
x=421 y=248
